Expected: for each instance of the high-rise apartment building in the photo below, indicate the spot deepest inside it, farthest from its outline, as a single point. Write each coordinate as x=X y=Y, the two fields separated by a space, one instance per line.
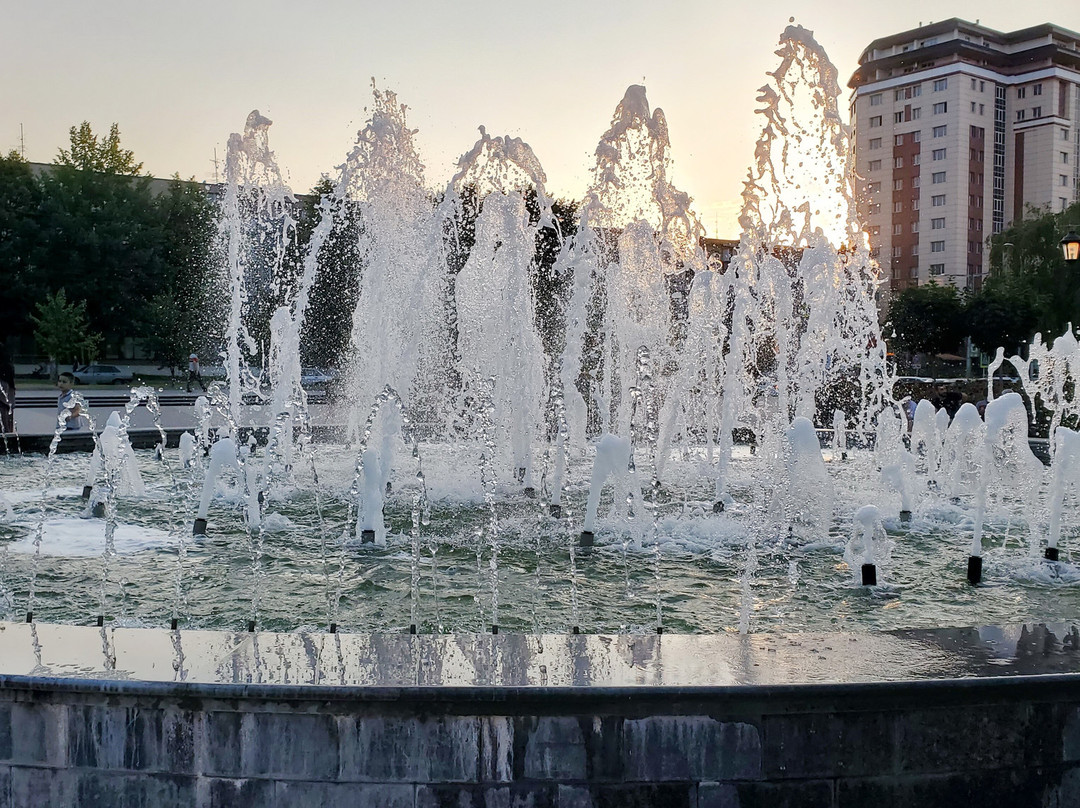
x=957 y=130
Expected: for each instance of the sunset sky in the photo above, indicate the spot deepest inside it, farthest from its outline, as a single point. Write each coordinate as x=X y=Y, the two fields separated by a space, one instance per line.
x=179 y=77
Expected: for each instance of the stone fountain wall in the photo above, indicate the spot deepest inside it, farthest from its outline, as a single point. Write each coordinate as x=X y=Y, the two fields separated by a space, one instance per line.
x=1009 y=742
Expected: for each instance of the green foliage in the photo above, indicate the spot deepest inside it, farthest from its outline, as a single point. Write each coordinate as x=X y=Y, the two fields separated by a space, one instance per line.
x=927 y=319
x=20 y=239
x=1026 y=262
x=63 y=330
x=104 y=155
x=184 y=315
x=102 y=238
x=336 y=287
x=141 y=264
x=1001 y=315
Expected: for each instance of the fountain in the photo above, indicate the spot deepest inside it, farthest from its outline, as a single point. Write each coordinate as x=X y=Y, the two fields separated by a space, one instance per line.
x=635 y=499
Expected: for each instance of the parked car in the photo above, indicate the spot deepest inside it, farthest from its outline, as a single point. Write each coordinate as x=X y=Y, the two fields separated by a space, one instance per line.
x=103 y=374
x=317 y=377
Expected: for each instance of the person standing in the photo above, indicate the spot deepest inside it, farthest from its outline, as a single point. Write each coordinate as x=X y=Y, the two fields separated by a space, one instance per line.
x=66 y=405
x=7 y=391
x=194 y=372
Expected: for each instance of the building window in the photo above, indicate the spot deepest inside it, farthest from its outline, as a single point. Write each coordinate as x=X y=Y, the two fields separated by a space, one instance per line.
x=940 y=131
x=898 y=117
x=875 y=208
x=915 y=226
x=973 y=107
x=1036 y=112
x=973 y=84
x=1064 y=134
x=873 y=187
x=1021 y=114
x=941 y=107
x=940 y=84
x=937 y=224
x=916 y=113
x=937 y=177
x=915 y=182
x=1021 y=92
x=898 y=185
x=1036 y=89
x=875 y=121
x=1064 y=202
x=897 y=229
x=914 y=249
x=875 y=143
x=898 y=140
x=937 y=269
x=875 y=165
x=1064 y=181
x=938 y=201
x=916 y=137
x=937 y=154
x=916 y=159
x=982 y=86
x=898 y=162
x=937 y=246
x=982 y=109
x=1065 y=157
x=897 y=251
x=898 y=207
x=915 y=203
x=874 y=231
x=875 y=100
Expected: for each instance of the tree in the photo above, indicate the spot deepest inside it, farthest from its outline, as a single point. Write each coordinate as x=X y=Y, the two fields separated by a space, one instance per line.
x=63 y=331
x=1026 y=260
x=100 y=233
x=20 y=202
x=1001 y=315
x=183 y=317
x=329 y=317
x=927 y=319
x=88 y=153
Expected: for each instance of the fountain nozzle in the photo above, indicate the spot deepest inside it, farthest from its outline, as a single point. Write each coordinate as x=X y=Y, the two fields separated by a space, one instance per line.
x=974 y=570
x=1051 y=554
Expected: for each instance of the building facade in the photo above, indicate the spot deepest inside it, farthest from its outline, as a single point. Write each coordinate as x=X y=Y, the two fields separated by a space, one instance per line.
x=957 y=130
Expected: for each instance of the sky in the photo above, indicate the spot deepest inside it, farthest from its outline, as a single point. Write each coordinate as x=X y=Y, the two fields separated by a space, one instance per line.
x=178 y=78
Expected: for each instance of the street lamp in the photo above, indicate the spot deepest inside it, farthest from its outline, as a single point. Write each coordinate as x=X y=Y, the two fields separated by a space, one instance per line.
x=1070 y=247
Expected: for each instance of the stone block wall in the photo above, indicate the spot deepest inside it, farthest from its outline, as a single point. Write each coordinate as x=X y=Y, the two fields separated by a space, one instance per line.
x=1003 y=743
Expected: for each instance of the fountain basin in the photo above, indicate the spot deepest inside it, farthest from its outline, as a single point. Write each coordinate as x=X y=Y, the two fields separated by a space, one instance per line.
x=163 y=718
x=800 y=583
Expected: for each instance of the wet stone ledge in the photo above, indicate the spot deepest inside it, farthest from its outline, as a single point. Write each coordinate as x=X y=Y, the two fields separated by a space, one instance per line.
x=147 y=718
x=1014 y=742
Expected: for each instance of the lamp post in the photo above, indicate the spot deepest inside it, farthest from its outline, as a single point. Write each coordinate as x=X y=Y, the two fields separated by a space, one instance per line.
x=1070 y=247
